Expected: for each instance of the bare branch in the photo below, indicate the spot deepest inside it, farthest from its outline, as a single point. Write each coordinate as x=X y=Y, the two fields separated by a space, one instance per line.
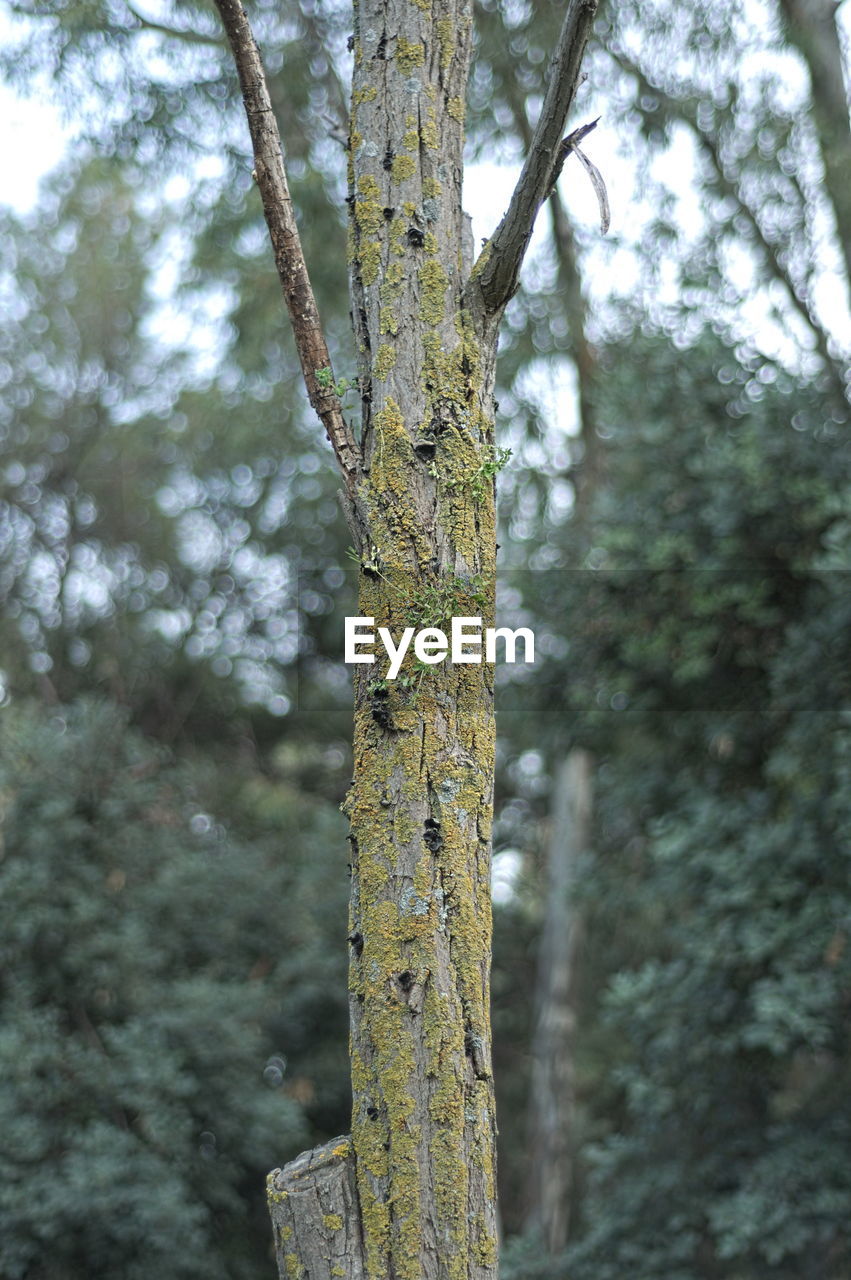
x=191 y=37
x=499 y=266
x=599 y=189
x=586 y=476
x=680 y=109
x=286 y=243
x=814 y=29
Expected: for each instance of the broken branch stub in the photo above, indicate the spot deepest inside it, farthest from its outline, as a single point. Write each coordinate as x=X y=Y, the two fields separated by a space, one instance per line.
x=315 y=1213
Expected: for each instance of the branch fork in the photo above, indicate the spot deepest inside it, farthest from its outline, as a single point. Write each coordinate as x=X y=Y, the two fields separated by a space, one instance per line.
x=496 y=274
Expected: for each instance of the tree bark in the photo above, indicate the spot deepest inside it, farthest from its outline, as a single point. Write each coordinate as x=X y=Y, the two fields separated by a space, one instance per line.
x=271 y=178
x=551 y=1112
x=421 y=800
x=423 y=1123
x=413 y=1193
x=313 y=1202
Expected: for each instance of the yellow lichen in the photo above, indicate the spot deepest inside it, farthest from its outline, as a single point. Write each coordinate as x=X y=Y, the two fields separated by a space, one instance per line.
x=446 y=35
x=367 y=94
x=332 y=1222
x=368 y=186
x=484 y=1244
x=385 y=359
x=396 y=523
x=273 y=1194
x=434 y=283
x=429 y=131
x=455 y=107
x=409 y=54
x=388 y=295
x=369 y=256
x=398 y=236
x=482 y=260
x=402 y=168
x=432 y=188
x=369 y=219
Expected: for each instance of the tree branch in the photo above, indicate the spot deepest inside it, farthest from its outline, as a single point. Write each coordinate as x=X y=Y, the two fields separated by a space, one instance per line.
x=286 y=243
x=729 y=185
x=585 y=477
x=191 y=37
x=813 y=29
x=499 y=265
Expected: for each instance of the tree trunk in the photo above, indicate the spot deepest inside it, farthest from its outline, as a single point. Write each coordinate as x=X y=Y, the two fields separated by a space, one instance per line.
x=412 y=1196
x=420 y=804
x=551 y=1111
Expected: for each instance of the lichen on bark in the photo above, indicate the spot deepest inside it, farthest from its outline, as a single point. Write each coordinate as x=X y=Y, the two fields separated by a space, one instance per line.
x=414 y=1190
x=423 y=1124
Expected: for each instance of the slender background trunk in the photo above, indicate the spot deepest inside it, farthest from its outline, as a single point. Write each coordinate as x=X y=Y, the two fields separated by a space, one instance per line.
x=552 y=1098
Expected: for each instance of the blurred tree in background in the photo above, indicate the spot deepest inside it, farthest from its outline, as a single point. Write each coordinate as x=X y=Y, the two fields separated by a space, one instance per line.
x=147 y=991
x=169 y=543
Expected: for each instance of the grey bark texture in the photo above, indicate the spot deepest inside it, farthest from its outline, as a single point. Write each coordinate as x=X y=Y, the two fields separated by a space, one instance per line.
x=423 y=1124
x=313 y=1202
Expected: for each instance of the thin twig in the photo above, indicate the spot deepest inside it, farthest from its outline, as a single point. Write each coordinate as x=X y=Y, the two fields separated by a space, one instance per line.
x=571 y=143
x=586 y=475
x=599 y=186
x=497 y=273
x=568 y=144
x=286 y=242
x=192 y=37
